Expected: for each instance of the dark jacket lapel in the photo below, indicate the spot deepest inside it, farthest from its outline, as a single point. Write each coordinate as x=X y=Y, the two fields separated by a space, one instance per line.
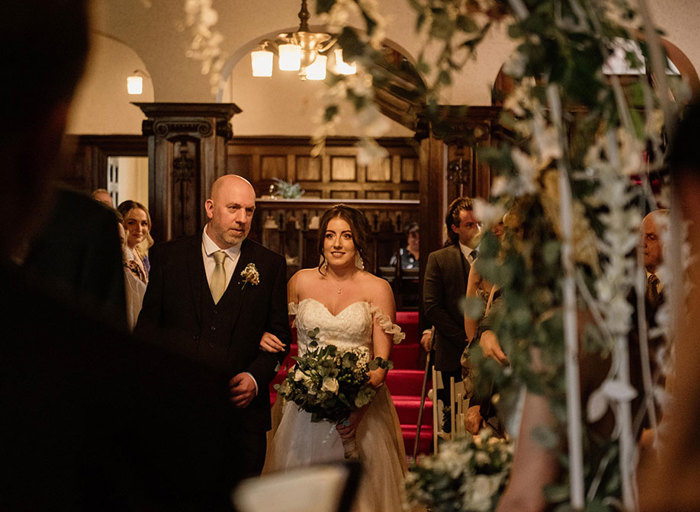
x=235 y=287
x=197 y=276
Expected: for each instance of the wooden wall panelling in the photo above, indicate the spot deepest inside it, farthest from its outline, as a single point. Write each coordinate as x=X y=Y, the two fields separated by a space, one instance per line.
x=336 y=174
x=87 y=167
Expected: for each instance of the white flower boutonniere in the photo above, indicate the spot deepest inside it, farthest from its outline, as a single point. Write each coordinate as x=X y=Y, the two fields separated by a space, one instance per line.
x=250 y=275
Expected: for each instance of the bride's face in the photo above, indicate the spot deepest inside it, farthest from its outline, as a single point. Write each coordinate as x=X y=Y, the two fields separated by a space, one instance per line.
x=338 y=245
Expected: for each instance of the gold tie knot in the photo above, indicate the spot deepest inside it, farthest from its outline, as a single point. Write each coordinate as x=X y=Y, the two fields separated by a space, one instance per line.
x=219 y=257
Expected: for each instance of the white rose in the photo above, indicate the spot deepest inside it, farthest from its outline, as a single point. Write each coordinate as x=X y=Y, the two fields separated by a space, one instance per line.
x=298 y=375
x=330 y=384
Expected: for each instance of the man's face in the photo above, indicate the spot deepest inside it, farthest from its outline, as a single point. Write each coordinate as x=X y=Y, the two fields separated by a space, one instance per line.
x=230 y=211
x=468 y=229
x=651 y=242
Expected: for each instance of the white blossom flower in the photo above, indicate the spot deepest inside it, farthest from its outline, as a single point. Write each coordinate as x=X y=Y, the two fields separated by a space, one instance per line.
x=488 y=213
x=330 y=384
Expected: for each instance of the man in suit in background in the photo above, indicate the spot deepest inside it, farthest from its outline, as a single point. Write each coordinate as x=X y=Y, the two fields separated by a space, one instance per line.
x=212 y=297
x=444 y=288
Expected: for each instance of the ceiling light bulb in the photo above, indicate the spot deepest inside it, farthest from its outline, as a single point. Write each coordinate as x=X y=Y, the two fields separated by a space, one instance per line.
x=342 y=67
x=317 y=69
x=261 y=60
x=290 y=57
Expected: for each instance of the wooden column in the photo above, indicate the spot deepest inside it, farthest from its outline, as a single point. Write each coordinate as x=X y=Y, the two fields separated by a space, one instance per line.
x=186 y=153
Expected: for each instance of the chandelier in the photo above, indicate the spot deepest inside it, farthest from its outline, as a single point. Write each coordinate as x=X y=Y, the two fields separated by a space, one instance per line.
x=303 y=51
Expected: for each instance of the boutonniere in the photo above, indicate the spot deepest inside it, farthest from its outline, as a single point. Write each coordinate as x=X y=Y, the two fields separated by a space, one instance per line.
x=250 y=275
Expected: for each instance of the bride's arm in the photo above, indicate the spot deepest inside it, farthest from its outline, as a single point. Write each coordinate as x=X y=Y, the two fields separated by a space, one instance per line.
x=383 y=300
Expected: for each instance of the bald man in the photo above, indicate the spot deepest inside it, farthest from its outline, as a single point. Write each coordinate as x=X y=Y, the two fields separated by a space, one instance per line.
x=213 y=296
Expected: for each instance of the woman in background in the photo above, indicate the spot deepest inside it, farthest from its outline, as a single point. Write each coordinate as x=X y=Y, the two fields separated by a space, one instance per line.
x=137 y=223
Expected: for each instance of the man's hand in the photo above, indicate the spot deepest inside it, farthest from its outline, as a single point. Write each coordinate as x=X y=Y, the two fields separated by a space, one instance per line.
x=271 y=343
x=426 y=340
x=242 y=389
x=473 y=420
x=491 y=348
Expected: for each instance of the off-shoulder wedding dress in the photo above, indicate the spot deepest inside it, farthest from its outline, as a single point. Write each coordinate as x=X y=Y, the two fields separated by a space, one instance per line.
x=299 y=442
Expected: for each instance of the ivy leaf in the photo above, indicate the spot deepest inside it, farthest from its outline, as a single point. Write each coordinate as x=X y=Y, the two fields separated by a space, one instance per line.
x=330 y=113
x=444 y=78
x=556 y=493
x=466 y=24
x=323 y=6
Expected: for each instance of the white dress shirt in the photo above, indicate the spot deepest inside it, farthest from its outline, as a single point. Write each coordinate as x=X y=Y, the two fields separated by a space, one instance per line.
x=469 y=254
x=230 y=262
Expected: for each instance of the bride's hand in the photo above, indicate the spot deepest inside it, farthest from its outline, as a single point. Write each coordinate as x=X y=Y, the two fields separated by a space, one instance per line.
x=376 y=377
x=271 y=343
x=346 y=429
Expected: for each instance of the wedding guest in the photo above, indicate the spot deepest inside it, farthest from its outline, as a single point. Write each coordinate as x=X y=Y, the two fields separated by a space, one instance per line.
x=90 y=418
x=102 y=195
x=134 y=284
x=480 y=407
x=137 y=222
x=213 y=296
x=669 y=481
x=654 y=226
x=354 y=310
x=444 y=287
x=410 y=255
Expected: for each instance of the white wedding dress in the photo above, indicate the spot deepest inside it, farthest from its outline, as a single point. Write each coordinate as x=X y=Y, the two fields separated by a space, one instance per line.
x=299 y=442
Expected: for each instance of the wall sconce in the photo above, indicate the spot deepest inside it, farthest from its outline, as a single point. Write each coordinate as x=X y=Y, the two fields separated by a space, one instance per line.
x=134 y=82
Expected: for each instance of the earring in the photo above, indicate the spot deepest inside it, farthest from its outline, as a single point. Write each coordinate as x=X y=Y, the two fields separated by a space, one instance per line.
x=358 y=261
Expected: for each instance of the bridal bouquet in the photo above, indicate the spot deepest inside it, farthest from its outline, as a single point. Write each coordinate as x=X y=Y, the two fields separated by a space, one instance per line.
x=330 y=384
x=467 y=475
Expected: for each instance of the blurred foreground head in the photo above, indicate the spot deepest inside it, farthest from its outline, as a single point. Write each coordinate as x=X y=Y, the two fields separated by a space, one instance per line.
x=46 y=44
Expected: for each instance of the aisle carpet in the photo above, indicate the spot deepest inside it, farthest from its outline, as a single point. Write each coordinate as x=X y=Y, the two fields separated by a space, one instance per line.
x=404 y=382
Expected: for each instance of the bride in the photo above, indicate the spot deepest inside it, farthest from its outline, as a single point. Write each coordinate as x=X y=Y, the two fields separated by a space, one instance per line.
x=353 y=310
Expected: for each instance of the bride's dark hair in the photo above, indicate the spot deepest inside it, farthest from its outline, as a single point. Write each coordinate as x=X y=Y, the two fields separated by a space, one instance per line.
x=359 y=225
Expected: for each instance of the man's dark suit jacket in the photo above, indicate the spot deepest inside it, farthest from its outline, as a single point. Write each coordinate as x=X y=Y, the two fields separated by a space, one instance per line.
x=79 y=254
x=178 y=307
x=93 y=419
x=444 y=288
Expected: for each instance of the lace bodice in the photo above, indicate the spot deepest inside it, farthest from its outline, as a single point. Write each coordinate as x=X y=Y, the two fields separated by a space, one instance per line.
x=350 y=329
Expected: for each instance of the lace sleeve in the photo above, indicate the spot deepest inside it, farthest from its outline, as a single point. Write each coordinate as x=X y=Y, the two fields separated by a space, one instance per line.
x=386 y=324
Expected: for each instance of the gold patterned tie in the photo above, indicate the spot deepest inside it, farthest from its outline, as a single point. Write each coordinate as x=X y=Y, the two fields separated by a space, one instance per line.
x=218 y=277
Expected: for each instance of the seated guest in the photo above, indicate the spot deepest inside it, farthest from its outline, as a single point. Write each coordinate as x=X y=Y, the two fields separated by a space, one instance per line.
x=410 y=255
